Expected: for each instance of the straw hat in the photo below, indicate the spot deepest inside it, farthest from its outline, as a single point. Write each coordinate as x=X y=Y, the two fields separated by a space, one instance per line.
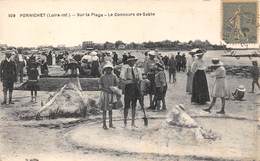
x=151 y=53
x=131 y=58
x=216 y=62
x=241 y=88
x=108 y=65
x=93 y=53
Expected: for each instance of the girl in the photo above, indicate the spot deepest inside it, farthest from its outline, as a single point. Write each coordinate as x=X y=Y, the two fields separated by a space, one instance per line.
x=107 y=98
x=219 y=87
x=33 y=77
x=255 y=75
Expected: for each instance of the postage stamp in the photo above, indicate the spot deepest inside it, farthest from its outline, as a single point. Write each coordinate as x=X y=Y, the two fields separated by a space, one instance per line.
x=239 y=21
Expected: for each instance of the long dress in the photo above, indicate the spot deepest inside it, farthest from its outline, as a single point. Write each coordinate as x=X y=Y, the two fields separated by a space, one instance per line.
x=200 y=91
x=219 y=86
x=189 y=75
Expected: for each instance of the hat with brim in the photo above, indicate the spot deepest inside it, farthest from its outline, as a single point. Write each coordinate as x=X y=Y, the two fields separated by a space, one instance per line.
x=241 y=88
x=93 y=53
x=108 y=65
x=131 y=58
x=152 y=53
x=216 y=62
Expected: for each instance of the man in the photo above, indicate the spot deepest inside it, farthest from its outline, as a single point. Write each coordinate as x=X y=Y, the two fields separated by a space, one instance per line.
x=183 y=62
x=115 y=58
x=20 y=63
x=130 y=76
x=149 y=67
x=8 y=74
x=178 y=61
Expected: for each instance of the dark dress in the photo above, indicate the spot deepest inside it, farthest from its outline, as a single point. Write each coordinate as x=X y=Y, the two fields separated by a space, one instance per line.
x=200 y=92
x=33 y=79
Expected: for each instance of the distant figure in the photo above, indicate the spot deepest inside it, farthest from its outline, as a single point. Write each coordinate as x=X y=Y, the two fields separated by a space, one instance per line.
x=49 y=58
x=178 y=61
x=115 y=58
x=95 y=65
x=255 y=75
x=183 y=62
x=239 y=93
x=44 y=68
x=189 y=72
x=53 y=58
x=219 y=87
x=200 y=91
x=124 y=59
x=8 y=74
x=172 y=69
x=161 y=87
x=165 y=60
x=20 y=63
x=33 y=77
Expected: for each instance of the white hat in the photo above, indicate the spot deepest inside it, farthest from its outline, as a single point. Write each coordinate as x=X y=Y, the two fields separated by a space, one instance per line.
x=241 y=88
x=216 y=62
x=93 y=53
x=151 y=52
x=108 y=65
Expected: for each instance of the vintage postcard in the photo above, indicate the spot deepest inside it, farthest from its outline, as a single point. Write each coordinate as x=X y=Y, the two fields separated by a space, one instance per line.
x=146 y=80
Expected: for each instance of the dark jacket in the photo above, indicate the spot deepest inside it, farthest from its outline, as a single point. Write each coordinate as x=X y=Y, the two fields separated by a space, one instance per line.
x=8 y=71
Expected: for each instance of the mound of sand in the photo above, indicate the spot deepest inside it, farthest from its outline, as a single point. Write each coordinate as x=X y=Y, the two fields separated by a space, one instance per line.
x=68 y=102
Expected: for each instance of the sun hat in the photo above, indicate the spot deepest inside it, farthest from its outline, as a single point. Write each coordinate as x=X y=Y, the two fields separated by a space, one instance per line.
x=216 y=62
x=131 y=58
x=241 y=88
x=151 y=53
x=108 y=65
x=93 y=53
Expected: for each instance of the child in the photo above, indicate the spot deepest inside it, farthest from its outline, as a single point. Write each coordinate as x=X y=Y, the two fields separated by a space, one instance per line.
x=33 y=76
x=107 y=97
x=219 y=87
x=144 y=88
x=255 y=75
x=161 y=86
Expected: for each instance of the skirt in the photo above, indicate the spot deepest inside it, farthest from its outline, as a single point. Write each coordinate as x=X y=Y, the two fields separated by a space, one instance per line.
x=200 y=91
x=219 y=88
x=189 y=82
x=33 y=85
x=107 y=101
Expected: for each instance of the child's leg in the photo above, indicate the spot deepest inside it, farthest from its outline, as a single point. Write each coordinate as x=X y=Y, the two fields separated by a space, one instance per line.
x=104 y=119
x=35 y=95
x=126 y=108
x=170 y=77
x=164 y=104
x=31 y=95
x=211 y=105
x=222 y=111
x=110 y=119
x=253 y=86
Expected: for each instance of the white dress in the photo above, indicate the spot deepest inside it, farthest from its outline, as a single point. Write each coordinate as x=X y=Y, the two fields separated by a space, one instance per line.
x=219 y=87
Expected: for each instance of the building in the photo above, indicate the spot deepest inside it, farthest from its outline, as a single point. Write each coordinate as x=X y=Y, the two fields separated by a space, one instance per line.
x=87 y=45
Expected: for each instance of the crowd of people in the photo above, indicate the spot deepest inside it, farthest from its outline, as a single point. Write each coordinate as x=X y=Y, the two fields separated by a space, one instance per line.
x=130 y=80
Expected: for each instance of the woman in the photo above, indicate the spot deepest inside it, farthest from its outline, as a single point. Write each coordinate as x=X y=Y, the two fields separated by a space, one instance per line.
x=200 y=92
x=172 y=69
x=189 y=73
x=219 y=86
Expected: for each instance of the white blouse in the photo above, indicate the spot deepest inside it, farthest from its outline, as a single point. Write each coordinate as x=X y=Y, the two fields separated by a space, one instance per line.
x=198 y=64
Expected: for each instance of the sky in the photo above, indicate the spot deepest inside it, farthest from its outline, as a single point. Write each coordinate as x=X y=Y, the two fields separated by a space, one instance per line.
x=181 y=20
